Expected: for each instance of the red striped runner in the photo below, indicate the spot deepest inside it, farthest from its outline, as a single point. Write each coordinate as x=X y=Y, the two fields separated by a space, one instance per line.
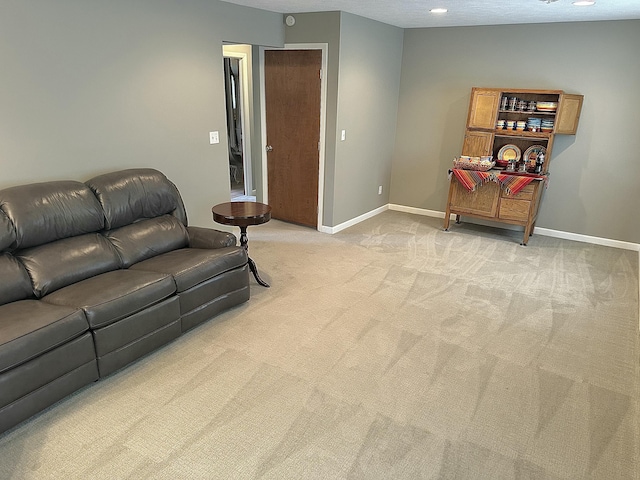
x=471 y=178
x=512 y=184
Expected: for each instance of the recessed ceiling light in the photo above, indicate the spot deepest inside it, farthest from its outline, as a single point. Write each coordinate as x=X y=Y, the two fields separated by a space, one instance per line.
x=438 y=10
x=584 y=3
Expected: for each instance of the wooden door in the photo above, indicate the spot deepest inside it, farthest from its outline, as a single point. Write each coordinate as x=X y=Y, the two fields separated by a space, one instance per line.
x=568 y=114
x=292 y=95
x=484 y=108
x=477 y=144
x=482 y=201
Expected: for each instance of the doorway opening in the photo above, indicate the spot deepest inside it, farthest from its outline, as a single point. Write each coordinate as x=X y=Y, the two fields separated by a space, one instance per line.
x=237 y=85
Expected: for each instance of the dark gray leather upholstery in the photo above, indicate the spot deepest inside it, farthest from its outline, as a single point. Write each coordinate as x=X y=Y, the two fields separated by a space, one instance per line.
x=45 y=212
x=207 y=281
x=42 y=381
x=14 y=281
x=118 y=334
x=58 y=264
x=114 y=295
x=148 y=238
x=7 y=233
x=30 y=328
x=216 y=295
x=190 y=266
x=207 y=238
x=120 y=343
x=92 y=277
x=130 y=195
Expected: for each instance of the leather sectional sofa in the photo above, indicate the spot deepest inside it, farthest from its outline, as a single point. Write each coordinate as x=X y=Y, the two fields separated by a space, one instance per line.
x=95 y=275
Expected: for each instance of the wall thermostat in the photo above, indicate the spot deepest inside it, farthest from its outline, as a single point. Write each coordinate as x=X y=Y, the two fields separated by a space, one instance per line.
x=290 y=20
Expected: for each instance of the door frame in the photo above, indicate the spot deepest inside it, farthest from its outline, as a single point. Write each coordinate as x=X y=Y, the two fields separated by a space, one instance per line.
x=324 y=47
x=246 y=115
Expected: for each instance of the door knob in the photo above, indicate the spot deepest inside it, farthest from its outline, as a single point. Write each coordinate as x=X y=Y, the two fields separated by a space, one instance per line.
x=269 y=148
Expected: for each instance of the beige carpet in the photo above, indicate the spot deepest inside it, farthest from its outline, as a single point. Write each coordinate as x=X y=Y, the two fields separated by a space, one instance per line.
x=392 y=350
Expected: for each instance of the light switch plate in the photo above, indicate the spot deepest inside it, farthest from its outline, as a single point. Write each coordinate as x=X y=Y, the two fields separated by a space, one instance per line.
x=344 y=135
x=214 y=137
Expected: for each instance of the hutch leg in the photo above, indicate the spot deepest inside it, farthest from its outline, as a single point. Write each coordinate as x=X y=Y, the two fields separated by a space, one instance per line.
x=528 y=229
x=447 y=213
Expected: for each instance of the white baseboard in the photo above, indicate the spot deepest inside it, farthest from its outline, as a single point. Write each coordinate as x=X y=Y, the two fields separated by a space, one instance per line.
x=417 y=211
x=353 y=221
x=578 y=237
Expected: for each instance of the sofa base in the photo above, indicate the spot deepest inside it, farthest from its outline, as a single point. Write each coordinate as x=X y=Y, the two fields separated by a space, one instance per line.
x=38 y=400
x=21 y=381
x=213 y=308
x=119 y=334
x=109 y=363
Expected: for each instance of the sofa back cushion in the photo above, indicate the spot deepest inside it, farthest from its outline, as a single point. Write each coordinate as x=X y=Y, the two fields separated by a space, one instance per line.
x=148 y=238
x=58 y=264
x=7 y=233
x=128 y=196
x=45 y=212
x=14 y=280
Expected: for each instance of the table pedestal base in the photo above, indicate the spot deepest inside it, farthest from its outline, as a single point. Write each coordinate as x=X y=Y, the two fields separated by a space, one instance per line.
x=244 y=243
x=254 y=270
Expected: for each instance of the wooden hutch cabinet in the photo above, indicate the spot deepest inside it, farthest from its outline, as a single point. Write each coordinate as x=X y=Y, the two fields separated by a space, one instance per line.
x=551 y=112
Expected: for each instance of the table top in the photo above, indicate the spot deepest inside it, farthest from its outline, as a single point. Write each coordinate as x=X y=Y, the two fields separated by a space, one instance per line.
x=241 y=214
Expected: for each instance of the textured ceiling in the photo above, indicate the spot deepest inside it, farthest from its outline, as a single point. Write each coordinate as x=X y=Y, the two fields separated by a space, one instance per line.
x=415 y=13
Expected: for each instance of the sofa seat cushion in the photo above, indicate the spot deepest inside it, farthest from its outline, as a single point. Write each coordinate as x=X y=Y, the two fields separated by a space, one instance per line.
x=29 y=328
x=191 y=266
x=114 y=295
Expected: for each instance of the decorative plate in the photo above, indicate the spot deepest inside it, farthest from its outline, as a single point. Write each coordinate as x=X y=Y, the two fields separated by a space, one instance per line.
x=509 y=152
x=531 y=154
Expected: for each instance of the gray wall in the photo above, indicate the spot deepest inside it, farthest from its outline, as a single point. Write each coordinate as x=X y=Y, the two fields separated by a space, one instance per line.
x=362 y=98
x=93 y=86
x=594 y=174
x=369 y=81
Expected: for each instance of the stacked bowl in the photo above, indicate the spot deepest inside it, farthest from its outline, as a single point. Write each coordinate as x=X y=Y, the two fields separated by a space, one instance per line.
x=547 y=125
x=546 y=106
x=534 y=124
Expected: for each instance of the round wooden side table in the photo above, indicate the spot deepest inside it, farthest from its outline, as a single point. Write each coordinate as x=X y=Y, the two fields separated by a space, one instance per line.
x=243 y=214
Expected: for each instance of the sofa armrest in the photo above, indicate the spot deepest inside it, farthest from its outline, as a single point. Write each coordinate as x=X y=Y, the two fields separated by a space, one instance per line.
x=200 y=237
